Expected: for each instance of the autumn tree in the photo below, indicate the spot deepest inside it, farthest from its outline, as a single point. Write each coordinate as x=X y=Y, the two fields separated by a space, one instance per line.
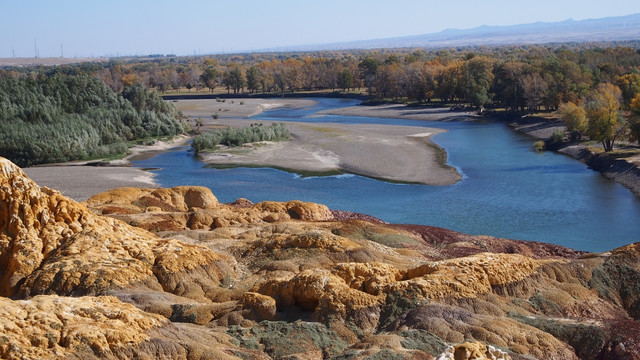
x=449 y=80
x=368 y=70
x=194 y=76
x=292 y=71
x=605 y=122
x=575 y=118
x=534 y=89
x=630 y=86
x=634 y=121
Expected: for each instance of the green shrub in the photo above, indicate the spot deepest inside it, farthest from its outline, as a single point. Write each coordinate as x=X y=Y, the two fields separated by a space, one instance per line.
x=538 y=146
x=557 y=137
x=239 y=136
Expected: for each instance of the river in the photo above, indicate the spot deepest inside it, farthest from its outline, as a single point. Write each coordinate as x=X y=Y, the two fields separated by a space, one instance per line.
x=507 y=190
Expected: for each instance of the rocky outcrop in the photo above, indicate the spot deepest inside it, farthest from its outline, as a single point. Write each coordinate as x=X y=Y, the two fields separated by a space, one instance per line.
x=53 y=327
x=50 y=244
x=173 y=273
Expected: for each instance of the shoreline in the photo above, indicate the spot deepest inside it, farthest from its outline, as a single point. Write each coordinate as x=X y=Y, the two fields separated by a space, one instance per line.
x=625 y=171
x=80 y=180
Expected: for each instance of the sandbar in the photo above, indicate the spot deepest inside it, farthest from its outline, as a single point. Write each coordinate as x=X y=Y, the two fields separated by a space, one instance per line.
x=400 y=111
x=392 y=153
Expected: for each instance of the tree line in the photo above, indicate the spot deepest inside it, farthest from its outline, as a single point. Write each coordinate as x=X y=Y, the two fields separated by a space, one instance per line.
x=516 y=78
x=67 y=117
x=519 y=78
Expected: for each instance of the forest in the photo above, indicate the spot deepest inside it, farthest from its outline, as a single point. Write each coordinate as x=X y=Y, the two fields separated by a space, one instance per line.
x=595 y=88
x=59 y=118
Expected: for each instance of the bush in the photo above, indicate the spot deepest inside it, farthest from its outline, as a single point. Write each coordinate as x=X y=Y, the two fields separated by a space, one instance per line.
x=557 y=137
x=538 y=146
x=239 y=136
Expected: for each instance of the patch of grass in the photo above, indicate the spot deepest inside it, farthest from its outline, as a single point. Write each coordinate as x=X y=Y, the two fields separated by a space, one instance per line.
x=368 y=233
x=234 y=151
x=422 y=340
x=441 y=155
x=324 y=129
x=622 y=153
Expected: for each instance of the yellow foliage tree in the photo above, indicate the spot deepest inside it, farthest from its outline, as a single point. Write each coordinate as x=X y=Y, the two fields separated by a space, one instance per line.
x=575 y=117
x=605 y=122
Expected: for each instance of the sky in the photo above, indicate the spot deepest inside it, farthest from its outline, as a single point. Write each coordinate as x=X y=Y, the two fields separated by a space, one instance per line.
x=96 y=28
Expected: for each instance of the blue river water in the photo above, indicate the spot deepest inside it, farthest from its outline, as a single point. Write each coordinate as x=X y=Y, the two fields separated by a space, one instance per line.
x=507 y=190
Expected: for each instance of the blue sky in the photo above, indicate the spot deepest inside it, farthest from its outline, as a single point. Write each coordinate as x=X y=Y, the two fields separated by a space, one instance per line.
x=139 y=27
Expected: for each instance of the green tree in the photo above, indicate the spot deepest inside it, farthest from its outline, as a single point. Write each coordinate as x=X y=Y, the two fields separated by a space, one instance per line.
x=605 y=122
x=210 y=78
x=234 y=79
x=254 y=78
x=368 y=69
x=478 y=78
x=345 y=79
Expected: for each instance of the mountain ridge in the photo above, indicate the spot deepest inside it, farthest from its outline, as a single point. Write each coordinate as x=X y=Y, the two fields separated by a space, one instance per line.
x=614 y=28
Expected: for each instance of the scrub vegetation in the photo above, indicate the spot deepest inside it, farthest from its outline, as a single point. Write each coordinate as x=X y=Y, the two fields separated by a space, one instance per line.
x=68 y=117
x=240 y=136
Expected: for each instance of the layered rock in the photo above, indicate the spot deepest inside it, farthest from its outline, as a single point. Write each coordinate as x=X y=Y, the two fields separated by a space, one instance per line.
x=51 y=244
x=190 y=277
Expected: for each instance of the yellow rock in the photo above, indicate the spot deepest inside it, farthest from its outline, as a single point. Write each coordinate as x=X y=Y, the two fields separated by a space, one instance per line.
x=52 y=326
x=51 y=244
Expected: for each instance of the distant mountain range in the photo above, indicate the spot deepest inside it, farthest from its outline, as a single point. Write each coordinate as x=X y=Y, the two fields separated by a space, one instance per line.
x=604 y=29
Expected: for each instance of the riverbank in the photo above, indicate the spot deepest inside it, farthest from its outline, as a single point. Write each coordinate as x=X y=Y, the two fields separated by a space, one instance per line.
x=80 y=180
x=621 y=168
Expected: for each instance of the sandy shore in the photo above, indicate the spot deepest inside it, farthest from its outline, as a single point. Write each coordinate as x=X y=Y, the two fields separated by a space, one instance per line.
x=235 y=108
x=395 y=153
x=399 y=111
x=82 y=182
x=79 y=181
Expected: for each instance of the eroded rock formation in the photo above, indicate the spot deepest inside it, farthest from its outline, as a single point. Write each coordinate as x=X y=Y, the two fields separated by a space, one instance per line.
x=173 y=273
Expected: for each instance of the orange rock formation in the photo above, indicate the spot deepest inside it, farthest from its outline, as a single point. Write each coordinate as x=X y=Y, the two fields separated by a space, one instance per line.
x=136 y=272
